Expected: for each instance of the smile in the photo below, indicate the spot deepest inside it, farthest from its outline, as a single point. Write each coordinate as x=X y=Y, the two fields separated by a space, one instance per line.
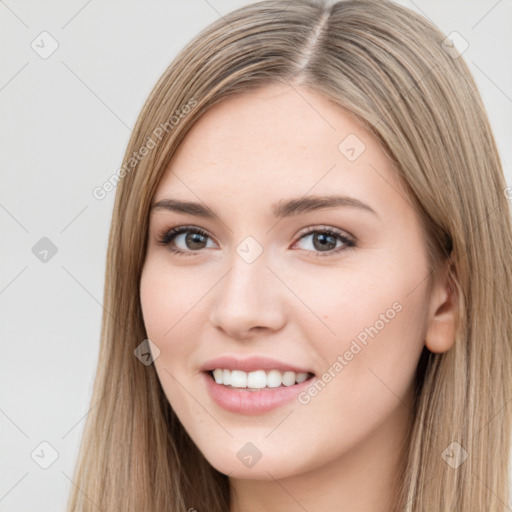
x=258 y=379
x=254 y=392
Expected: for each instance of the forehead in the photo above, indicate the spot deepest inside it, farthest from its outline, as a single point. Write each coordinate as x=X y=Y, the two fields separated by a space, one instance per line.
x=278 y=141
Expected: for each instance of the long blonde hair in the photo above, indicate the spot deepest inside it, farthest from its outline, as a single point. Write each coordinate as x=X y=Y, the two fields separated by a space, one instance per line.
x=388 y=66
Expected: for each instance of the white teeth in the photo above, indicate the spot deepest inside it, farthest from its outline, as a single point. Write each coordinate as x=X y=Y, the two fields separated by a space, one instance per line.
x=238 y=379
x=274 y=379
x=217 y=375
x=288 y=378
x=257 y=379
x=301 y=377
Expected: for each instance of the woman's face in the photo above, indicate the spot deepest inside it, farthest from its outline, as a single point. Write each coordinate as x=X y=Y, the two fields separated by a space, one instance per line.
x=310 y=265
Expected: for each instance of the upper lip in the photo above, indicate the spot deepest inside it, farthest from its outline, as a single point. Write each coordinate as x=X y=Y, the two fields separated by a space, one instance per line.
x=250 y=364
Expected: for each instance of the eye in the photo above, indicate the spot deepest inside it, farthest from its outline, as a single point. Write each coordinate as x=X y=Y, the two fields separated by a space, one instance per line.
x=194 y=239
x=324 y=240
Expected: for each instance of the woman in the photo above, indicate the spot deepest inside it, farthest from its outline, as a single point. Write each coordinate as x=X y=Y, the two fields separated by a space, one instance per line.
x=307 y=289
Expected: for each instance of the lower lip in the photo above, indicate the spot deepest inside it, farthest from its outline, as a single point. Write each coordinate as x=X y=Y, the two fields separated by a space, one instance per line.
x=252 y=402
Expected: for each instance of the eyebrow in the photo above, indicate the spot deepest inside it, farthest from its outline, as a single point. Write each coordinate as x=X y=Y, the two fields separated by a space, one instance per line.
x=281 y=209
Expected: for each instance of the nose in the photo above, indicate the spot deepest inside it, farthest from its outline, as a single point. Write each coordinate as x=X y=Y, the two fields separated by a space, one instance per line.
x=249 y=300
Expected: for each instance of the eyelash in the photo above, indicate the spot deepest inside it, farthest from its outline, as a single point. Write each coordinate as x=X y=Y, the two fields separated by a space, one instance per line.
x=168 y=236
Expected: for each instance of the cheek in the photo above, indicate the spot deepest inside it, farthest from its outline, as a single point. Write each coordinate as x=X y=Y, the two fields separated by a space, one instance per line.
x=157 y=303
x=374 y=306
x=164 y=303
x=369 y=366
x=168 y=312
x=380 y=323
x=359 y=302
x=168 y=299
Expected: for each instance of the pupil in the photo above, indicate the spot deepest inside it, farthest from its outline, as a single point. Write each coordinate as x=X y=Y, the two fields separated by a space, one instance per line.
x=194 y=238
x=324 y=241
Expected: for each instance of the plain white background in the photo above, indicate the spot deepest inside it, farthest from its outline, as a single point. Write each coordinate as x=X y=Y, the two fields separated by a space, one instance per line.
x=66 y=120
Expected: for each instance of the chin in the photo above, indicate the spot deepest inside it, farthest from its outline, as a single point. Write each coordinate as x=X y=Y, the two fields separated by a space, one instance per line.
x=244 y=461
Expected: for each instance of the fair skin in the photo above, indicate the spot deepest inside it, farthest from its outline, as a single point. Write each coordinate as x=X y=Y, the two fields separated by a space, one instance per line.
x=299 y=301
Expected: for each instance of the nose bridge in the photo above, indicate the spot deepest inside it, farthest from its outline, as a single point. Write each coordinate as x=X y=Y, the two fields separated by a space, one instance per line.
x=249 y=295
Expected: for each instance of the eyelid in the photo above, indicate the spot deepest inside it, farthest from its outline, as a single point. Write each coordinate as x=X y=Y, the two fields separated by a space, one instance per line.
x=348 y=240
x=326 y=228
x=165 y=236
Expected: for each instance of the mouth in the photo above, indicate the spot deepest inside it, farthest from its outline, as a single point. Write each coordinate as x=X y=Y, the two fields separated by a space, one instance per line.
x=254 y=385
x=257 y=380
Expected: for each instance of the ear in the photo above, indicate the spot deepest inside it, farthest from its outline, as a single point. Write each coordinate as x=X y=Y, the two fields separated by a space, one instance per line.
x=441 y=324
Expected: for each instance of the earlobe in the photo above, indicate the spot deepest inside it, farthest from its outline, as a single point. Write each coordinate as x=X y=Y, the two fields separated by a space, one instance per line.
x=440 y=336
